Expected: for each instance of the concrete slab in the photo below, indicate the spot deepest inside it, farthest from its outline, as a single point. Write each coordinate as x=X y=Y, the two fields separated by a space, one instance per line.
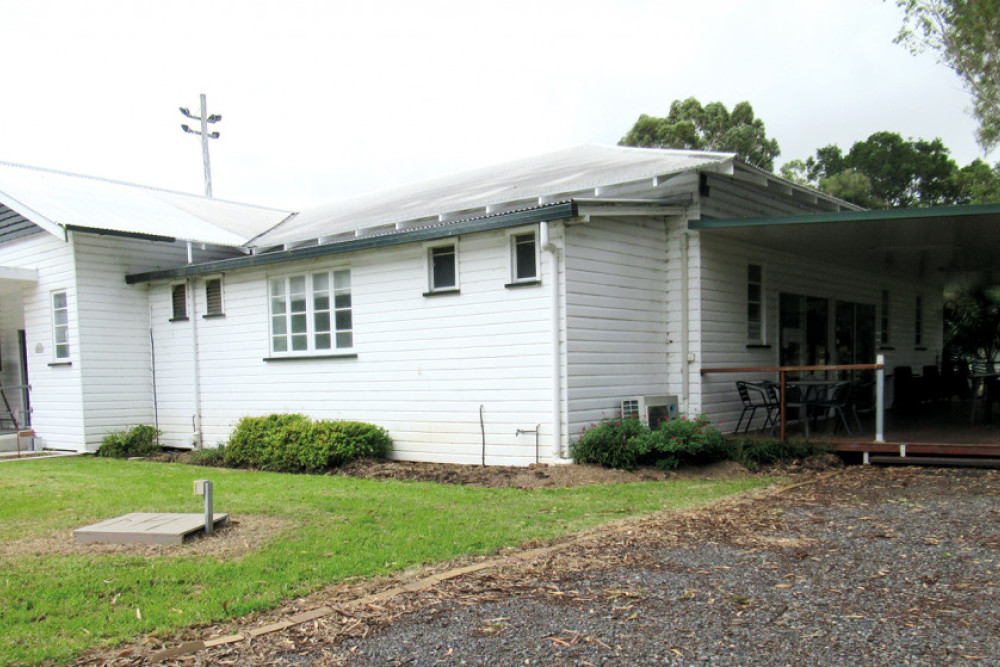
x=146 y=528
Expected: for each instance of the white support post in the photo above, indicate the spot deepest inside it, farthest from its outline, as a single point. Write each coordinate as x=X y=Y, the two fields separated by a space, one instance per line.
x=880 y=399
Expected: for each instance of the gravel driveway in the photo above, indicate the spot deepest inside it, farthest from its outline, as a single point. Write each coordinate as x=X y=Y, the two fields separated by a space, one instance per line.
x=870 y=566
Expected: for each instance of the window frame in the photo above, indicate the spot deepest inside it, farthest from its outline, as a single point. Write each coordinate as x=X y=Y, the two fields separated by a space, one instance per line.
x=429 y=266
x=337 y=284
x=885 y=313
x=56 y=326
x=761 y=303
x=513 y=265
x=174 y=316
x=918 y=321
x=221 y=312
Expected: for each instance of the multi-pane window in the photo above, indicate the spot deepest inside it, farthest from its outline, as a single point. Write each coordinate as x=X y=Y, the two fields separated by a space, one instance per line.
x=213 y=296
x=524 y=257
x=755 y=304
x=60 y=325
x=443 y=268
x=311 y=312
x=178 y=301
x=918 y=325
x=884 y=326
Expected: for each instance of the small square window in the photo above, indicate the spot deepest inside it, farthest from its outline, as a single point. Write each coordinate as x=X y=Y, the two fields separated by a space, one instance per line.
x=524 y=257
x=178 y=300
x=443 y=263
x=213 y=296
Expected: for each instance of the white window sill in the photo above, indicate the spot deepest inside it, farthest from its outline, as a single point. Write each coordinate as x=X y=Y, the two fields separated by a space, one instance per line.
x=312 y=357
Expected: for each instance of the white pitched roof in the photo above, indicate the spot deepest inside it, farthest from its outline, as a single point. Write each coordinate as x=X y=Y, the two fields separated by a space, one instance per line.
x=553 y=176
x=55 y=200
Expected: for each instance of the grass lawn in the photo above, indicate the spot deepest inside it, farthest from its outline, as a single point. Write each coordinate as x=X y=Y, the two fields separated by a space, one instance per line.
x=55 y=605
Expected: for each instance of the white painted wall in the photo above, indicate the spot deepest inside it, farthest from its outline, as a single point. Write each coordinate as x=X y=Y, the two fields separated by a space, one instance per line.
x=617 y=287
x=424 y=365
x=57 y=414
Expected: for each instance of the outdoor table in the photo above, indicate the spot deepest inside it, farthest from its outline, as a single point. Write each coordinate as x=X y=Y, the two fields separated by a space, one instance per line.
x=812 y=391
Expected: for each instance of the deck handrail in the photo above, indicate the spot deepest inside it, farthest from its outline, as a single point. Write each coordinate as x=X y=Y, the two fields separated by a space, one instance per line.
x=878 y=367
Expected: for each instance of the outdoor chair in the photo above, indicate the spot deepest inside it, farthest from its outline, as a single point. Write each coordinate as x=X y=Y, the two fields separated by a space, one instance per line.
x=843 y=403
x=755 y=397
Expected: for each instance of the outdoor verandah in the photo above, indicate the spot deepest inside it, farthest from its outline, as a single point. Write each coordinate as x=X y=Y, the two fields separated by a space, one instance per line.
x=15 y=404
x=850 y=285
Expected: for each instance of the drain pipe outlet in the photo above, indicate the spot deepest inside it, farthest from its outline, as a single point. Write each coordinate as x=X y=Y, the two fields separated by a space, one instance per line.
x=548 y=246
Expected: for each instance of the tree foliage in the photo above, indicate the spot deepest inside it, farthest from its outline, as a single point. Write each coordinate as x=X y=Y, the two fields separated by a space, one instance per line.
x=886 y=170
x=710 y=127
x=972 y=323
x=966 y=36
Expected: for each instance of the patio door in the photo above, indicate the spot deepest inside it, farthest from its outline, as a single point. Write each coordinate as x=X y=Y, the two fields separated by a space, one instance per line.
x=855 y=333
x=805 y=330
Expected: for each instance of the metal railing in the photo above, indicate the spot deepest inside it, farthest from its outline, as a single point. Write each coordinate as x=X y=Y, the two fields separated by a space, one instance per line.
x=783 y=371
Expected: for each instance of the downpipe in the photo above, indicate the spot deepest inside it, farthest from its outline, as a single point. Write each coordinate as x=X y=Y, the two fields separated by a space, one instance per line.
x=553 y=250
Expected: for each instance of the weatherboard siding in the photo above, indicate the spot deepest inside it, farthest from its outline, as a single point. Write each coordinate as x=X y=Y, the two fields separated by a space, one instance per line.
x=722 y=292
x=57 y=413
x=617 y=287
x=424 y=366
x=14 y=226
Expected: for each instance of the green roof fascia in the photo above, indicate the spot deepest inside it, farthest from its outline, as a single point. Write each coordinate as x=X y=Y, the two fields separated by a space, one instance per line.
x=547 y=213
x=849 y=216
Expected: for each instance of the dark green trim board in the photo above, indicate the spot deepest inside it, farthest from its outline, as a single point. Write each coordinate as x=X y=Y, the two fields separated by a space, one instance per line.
x=113 y=232
x=548 y=213
x=850 y=216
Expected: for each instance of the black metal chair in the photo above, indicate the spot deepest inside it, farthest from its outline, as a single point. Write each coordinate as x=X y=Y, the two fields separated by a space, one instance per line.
x=843 y=403
x=755 y=397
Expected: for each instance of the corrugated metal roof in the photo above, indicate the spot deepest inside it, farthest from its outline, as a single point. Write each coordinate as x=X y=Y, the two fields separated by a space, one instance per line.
x=471 y=194
x=54 y=200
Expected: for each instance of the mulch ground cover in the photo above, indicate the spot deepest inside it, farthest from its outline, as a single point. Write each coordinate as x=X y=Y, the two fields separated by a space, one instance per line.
x=874 y=566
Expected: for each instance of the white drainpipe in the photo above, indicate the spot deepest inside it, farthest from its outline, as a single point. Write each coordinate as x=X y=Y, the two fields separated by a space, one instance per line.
x=553 y=250
x=685 y=327
x=196 y=440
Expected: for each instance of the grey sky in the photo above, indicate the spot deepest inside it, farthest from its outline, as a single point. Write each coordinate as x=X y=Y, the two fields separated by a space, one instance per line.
x=323 y=100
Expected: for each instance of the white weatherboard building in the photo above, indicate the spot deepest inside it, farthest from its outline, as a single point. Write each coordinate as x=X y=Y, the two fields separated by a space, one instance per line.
x=462 y=313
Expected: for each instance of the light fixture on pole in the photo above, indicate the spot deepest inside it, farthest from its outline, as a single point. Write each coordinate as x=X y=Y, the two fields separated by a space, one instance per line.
x=204 y=119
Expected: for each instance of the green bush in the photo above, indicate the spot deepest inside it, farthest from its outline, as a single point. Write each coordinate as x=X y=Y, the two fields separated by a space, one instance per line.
x=683 y=441
x=136 y=441
x=755 y=452
x=626 y=443
x=295 y=443
x=612 y=443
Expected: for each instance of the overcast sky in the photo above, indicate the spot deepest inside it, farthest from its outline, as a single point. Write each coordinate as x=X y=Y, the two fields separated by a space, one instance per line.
x=324 y=100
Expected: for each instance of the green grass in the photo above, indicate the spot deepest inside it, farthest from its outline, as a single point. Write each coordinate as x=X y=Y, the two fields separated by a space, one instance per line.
x=53 y=607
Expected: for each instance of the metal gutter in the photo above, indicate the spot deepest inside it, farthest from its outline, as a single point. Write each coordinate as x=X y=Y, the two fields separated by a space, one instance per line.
x=849 y=216
x=560 y=211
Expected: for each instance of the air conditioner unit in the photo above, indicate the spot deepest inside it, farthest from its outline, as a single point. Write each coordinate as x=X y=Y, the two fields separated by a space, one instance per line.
x=651 y=409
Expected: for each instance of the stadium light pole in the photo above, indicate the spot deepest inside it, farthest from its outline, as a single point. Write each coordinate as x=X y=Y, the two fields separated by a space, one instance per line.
x=204 y=119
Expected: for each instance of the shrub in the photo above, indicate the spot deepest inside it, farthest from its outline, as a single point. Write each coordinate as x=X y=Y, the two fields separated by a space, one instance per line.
x=683 y=441
x=625 y=443
x=136 y=441
x=612 y=443
x=295 y=443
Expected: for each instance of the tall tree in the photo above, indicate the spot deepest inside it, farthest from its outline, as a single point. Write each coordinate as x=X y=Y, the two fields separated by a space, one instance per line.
x=886 y=170
x=966 y=36
x=709 y=127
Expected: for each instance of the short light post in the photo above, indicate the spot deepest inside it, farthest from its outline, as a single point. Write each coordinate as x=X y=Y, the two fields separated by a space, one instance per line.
x=203 y=487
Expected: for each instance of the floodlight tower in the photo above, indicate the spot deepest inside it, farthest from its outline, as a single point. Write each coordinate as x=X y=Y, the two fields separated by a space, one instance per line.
x=205 y=119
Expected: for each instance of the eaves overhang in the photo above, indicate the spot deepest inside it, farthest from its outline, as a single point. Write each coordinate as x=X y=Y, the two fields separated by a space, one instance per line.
x=546 y=213
x=873 y=216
